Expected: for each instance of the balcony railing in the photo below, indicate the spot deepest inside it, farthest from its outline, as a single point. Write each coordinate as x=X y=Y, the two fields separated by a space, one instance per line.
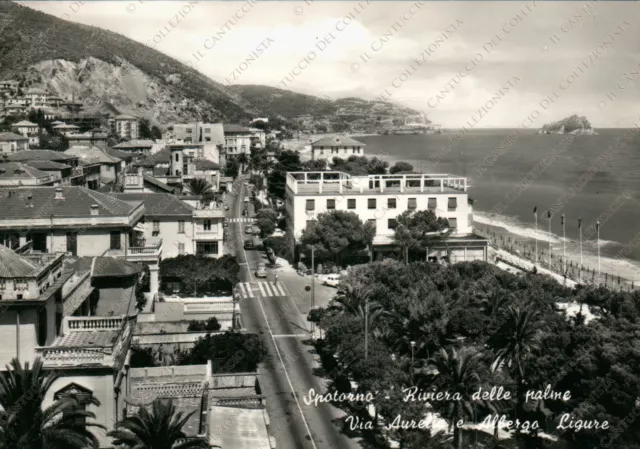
x=76 y=172
x=91 y=323
x=147 y=252
x=72 y=356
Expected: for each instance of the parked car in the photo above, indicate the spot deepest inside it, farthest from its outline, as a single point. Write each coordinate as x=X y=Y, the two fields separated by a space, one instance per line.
x=248 y=244
x=278 y=233
x=246 y=199
x=261 y=271
x=249 y=229
x=332 y=280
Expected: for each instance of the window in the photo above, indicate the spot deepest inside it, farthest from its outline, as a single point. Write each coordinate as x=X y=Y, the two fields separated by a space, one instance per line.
x=180 y=226
x=413 y=204
x=72 y=243
x=81 y=394
x=311 y=204
x=433 y=204
x=373 y=222
x=177 y=157
x=207 y=130
x=351 y=203
x=114 y=240
x=391 y=203
x=331 y=204
x=189 y=130
x=392 y=223
x=453 y=204
x=20 y=296
x=207 y=248
x=453 y=223
x=371 y=203
x=42 y=326
x=207 y=225
x=181 y=248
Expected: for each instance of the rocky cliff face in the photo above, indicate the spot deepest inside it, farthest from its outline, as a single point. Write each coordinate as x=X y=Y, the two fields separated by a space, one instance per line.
x=571 y=125
x=104 y=87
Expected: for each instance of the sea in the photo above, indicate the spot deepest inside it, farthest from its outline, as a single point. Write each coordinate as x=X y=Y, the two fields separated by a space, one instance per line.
x=511 y=172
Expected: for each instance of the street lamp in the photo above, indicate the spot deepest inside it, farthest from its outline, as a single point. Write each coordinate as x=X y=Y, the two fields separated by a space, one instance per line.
x=413 y=345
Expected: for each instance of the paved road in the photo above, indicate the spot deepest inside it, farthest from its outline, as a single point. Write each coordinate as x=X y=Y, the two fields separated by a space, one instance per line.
x=287 y=374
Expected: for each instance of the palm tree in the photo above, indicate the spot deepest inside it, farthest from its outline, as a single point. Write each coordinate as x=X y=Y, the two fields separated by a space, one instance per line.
x=202 y=187
x=514 y=342
x=26 y=425
x=458 y=373
x=160 y=429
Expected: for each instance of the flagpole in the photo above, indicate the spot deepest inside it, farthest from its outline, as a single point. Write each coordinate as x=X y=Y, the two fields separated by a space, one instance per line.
x=580 y=269
x=598 y=244
x=564 y=249
x=549 y=216
x=535 y=234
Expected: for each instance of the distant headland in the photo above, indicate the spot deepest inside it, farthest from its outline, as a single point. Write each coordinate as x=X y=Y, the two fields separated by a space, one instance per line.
x=571 y=125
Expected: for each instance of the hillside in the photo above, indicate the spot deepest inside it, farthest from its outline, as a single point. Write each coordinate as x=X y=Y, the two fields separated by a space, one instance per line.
x=110 y=73
x=311 y=111
x=80 y=54
x=569 y=125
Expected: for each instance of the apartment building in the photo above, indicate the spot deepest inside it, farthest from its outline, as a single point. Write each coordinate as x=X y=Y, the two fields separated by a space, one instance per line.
x=198 y=132
x=18 y=175
x=237 y=140
x=125 y=126
x=28 y=130
x=340 y=146
x=11 y=142
x=258 y=137
x=136 y=147
x=184 y=229
x=111 y=168
x=380 y=199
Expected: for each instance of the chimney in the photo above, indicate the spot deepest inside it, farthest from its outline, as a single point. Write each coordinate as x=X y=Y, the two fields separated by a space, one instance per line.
x=59 y=195
x=94 y=209
x=29 y=200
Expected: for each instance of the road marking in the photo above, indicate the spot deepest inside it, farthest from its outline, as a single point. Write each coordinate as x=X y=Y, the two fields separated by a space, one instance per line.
x=284 y=368
x=261 y=289
x=292 y=335
x=288 y=295
x=278 y=288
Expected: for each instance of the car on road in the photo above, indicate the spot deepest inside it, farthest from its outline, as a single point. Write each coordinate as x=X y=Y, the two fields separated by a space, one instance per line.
x=332 y=280
x=248 y=244
x=246 y=199
x=261 y=271
x=249 y=229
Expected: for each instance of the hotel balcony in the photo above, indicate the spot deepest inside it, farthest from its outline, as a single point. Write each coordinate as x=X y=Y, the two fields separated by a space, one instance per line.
x=311 y=183
x=147 y=252
x=211 y=211
x=89 y=341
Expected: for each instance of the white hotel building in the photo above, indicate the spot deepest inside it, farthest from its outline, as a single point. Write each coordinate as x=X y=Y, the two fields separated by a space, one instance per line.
x=380 y=199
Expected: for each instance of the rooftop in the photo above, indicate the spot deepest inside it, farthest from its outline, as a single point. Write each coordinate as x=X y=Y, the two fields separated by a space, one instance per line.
x=9 y=136
x=106 y=266
x=125 y=117
x=332 y=182
x=135 y=144
x=205 y=164
x=161 y=157
x=157 y=183
x=337 y=141
x=158 y=204
x=14 y=265
x=48 y=165
x=118 y=154
x=231 y=128
x=74 y=202
x=23 y=123
x=64 y=126
x=40 y=155
x=92 y=153
x=17 y=171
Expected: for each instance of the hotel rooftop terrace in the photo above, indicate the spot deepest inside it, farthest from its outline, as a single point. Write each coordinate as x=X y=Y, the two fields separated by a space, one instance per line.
x=331 y=182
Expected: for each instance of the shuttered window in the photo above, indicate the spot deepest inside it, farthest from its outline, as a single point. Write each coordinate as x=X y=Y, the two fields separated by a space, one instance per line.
x=351 y=203
x=433 y=204
x=311 y=204
x=331 y=204
x=392 y=223
x=453 y=223
x=391 y=203
x=413 y=204
x=453 y=203
x=371 y=202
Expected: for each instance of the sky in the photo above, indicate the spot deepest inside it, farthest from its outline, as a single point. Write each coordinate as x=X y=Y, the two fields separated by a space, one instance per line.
x=486 y=64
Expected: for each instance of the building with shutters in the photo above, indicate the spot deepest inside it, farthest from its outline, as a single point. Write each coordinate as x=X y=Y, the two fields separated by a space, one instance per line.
x=380 y=199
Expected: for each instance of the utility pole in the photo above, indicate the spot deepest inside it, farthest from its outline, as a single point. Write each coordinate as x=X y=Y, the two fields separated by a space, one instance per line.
x=366 y=328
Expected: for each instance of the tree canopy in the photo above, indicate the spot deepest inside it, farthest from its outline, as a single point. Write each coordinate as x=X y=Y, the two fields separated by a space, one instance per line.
x=337 y=234
x=200 y=273
x=360 y=165
x=287 y=161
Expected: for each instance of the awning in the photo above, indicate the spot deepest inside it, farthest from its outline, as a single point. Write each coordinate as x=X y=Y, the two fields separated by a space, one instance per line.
x=140 y=227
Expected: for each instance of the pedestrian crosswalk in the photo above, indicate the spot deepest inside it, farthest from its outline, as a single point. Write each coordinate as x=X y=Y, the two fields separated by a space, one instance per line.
x=241 y=220
x=261 y=288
